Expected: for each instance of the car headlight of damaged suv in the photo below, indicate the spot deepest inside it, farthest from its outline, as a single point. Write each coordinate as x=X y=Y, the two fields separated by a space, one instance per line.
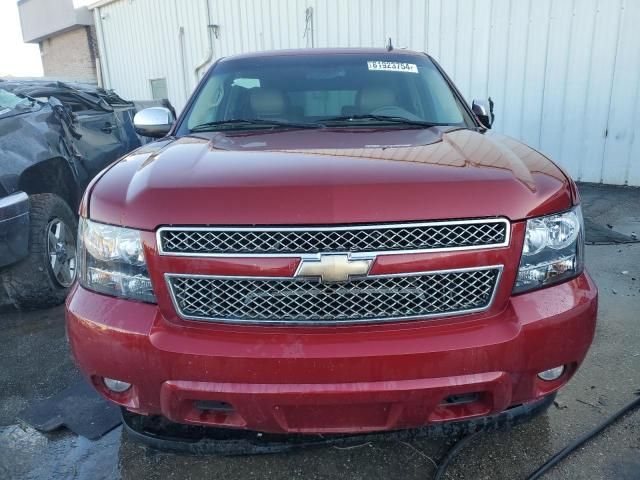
x=111 y=261
x=553 y=250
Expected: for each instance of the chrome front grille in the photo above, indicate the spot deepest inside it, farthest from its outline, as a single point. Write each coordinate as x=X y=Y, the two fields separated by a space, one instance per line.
x=433 y=236
x=370 y=299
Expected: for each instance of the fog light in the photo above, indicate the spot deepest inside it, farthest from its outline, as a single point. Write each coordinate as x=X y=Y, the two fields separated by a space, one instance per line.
x=552 y=373
x=117 y=386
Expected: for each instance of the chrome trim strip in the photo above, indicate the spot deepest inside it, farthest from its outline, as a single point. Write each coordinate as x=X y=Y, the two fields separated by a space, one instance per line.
x=14 y=198
x=321 y=323
x=14 y=205
x=354 y=255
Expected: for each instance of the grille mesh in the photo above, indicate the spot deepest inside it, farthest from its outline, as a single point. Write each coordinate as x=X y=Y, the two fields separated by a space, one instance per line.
x=369 y=299
x=356 y=239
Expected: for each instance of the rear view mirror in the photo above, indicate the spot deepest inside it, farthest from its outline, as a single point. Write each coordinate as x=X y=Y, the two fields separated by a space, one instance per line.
x=483 y=109
x=153 y=122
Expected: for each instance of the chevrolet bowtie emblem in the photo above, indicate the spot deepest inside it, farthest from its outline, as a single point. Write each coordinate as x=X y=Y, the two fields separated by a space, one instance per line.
x=333 y=267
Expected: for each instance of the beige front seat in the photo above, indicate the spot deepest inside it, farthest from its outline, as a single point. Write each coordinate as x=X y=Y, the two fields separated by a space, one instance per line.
x=372 y=98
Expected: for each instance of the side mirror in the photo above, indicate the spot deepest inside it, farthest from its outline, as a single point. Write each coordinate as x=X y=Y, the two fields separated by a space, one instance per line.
x=153 y=122
x=484 y=111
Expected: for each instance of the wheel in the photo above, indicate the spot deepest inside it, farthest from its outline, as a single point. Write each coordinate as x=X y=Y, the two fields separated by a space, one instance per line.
x=44 y=277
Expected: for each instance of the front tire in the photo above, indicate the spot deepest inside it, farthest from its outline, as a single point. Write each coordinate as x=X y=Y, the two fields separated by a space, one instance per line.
x=43 y=278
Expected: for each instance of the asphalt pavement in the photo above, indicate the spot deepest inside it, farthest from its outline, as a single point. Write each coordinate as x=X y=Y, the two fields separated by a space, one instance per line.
x=35 y=363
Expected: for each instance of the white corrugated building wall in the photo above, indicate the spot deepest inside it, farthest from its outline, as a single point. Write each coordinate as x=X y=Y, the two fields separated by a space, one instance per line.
x=564 y=74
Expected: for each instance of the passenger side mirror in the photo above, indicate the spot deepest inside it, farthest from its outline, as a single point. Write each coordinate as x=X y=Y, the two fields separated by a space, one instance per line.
x=153 y=122
x=484 y=111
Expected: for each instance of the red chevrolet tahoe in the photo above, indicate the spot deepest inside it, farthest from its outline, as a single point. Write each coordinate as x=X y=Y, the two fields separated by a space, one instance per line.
x=329 y=241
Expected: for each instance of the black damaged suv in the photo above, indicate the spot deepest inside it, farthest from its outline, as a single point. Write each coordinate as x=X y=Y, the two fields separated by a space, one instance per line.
x=54 y=137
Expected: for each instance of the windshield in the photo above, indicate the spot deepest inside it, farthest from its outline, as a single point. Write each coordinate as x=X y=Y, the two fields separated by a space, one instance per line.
x=324 y=90
x=10 y=101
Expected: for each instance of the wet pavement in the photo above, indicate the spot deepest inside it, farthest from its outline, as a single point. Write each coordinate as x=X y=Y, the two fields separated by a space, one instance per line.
x=35 y=364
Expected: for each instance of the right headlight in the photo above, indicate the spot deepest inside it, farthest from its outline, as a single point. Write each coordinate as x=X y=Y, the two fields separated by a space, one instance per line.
x=111 y=261
x=553 y=250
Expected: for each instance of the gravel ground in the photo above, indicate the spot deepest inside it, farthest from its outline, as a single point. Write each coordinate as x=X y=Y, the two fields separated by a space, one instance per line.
x=35 y=364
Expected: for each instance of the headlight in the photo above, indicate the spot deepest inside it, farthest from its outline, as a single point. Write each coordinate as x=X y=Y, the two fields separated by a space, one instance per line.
x=111 y=261
x=552 y=251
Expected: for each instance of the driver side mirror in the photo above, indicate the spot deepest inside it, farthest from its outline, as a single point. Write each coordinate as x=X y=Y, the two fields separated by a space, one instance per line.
x=153 y=122
x=484 y=111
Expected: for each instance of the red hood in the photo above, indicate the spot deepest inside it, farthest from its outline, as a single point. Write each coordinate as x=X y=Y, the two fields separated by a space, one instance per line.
x=328 y=176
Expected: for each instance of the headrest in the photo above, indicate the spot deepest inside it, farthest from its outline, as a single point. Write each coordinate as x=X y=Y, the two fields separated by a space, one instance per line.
x=372 y=98
x=266 y=101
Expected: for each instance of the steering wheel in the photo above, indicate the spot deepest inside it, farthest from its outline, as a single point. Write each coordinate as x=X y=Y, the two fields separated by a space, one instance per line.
x=395 y=111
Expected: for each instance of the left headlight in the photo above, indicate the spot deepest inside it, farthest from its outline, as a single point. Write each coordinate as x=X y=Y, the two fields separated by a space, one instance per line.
x=553 y=250
x=111 y=261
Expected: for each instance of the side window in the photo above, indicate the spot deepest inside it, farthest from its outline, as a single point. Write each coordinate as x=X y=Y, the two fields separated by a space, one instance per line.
x=159 y=88
x=74 y=103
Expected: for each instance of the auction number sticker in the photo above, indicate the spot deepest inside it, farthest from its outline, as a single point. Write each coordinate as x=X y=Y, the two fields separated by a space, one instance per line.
x=392 y=66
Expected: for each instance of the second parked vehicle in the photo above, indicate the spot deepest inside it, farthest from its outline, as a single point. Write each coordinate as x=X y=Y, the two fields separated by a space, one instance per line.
x=330 y=241
x=54 y=137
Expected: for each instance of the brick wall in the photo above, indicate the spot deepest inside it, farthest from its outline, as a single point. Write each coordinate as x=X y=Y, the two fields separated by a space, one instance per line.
x=70 y=55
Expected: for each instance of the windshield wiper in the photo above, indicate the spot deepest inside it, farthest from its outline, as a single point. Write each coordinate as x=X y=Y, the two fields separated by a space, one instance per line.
x=239 y=122
x=382 y=118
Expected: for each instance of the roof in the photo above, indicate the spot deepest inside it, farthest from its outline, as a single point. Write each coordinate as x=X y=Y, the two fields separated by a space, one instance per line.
x=325 y=51
x=46 y=88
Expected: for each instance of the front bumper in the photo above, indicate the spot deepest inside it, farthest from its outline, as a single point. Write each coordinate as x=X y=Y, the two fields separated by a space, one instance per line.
x=162 y=434
x=342 y=380
x=14 y=228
